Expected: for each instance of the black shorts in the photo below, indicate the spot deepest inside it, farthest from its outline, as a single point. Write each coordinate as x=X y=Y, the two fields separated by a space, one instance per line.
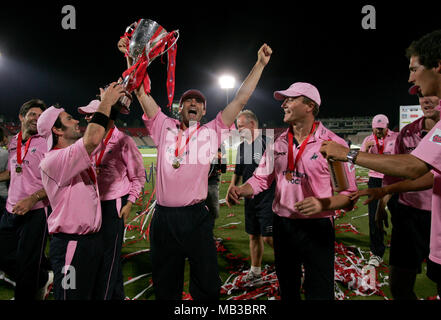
x=258 y=217
x=434 y=271
x=410 y=240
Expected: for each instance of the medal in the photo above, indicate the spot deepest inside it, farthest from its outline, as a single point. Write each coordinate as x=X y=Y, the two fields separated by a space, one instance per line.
x=179 y=151
x=18 y=167
x=97 y=170
x=176 y=164
x=291 y=161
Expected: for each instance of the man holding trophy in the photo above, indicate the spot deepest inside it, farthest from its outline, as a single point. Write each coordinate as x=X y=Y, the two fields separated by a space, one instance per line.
x=182 y=226
x=69 y=178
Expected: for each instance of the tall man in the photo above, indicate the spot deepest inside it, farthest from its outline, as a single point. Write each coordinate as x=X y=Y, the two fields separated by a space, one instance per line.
x=23 y=227
x=410 y=211
x=381 y=141
x=304 y=202
x=121 y=178
x=181 y=226
x=69 y=178
x=258 y=211
x=425 y=72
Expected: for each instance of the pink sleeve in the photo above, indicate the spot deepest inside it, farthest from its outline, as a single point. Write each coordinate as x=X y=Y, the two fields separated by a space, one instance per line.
x=264 y=175
x=67 y=163
x=135 y=168
x=220 y=128
x=363 y=145
x=154 y=125
x=429 y=149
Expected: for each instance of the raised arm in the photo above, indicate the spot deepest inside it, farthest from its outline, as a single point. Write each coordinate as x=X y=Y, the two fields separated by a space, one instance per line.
x=396 y=165
x=94 y=132
x=148 y=104
x=247 y=88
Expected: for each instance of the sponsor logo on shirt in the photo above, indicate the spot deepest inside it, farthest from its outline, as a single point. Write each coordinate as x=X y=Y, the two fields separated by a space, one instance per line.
x=297 y=177
x=314 y=156
x=436 y=136
x=279 y=153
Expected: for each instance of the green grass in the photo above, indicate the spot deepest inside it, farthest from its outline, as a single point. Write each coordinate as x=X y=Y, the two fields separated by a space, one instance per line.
x=236 y=242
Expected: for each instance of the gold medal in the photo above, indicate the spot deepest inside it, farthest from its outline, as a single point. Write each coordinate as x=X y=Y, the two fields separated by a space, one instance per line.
x=18 y=169
x=176 y=164
x=97 y=169
x=288 y=175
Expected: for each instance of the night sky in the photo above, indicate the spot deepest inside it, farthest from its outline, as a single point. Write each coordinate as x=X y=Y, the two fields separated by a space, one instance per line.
x=358 y=72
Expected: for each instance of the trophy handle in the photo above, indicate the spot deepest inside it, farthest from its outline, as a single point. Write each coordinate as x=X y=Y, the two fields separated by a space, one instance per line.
x=176 y=32
x=131 y=28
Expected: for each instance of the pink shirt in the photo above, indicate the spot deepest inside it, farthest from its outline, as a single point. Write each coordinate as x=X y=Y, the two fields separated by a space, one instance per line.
x=429 y=151
x=312 y=178
x=73 y=195
x=121 y=170
x=188 y=184
x=23 y=184
x=389 y=146
x=407 y=140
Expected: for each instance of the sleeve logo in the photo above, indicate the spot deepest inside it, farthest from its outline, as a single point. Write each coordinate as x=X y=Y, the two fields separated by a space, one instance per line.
x=436 y=136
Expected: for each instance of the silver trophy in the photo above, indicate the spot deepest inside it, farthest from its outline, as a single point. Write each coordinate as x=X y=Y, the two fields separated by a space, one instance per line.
x=148 y=40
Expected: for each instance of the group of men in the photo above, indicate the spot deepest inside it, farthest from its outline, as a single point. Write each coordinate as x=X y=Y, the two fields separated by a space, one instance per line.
x=78 y=188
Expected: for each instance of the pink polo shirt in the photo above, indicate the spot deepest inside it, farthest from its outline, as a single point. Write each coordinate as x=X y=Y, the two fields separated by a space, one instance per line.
x=312 y=179
x=27 y=182
x=429 y=151
x=407 y=140
x=121 y=170
x=188 y=184
x=73 y=195
x=389 y=146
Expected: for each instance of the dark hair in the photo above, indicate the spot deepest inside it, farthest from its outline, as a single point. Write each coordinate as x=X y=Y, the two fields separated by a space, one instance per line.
x=316 y=109
x=34 y=103
x=427 y=49
x=59 y=125
x=2 y=134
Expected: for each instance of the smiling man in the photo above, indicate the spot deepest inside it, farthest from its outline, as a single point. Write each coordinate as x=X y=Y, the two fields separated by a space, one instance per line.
x=425 y=72
x=304 y=201
x=69 y=178
x=23 y=225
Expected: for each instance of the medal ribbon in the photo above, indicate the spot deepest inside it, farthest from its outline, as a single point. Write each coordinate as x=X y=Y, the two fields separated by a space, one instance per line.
x=291 y=162
x=180 y=151
x=19 y=140
x=106 y=141
x=379 y=147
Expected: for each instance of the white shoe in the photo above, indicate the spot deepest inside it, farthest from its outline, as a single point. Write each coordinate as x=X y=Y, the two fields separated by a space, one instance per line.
x=375 y=261
x=252 y=278
x=43 y=292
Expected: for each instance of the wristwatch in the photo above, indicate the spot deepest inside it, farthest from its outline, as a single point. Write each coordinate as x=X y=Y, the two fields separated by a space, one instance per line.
x=352 y=156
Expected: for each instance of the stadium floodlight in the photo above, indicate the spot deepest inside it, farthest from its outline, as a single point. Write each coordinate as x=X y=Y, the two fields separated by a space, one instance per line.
x=227 y=82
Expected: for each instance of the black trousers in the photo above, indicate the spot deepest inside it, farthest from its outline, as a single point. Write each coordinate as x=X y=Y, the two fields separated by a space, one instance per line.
x=76 y=261
x=112 y=229
x=177 y=234
x=376 y=237
x=308 y=243
x=22 y=243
